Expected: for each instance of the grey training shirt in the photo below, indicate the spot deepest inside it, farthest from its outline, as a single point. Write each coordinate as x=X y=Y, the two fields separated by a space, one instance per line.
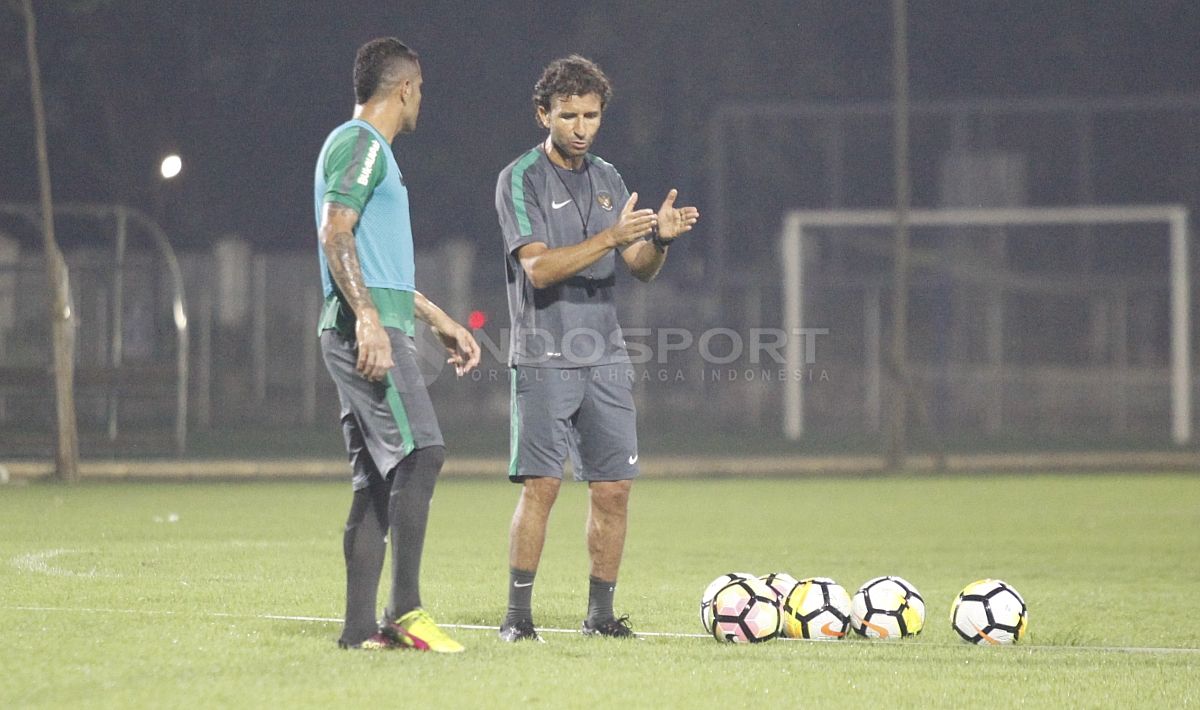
x=572 y=323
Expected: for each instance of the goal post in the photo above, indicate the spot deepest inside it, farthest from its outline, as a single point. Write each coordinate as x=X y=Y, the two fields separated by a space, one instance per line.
x=793 y=243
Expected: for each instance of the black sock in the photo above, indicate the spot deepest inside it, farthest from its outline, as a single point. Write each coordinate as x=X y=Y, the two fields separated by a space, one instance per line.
x=600 y=600
x=408 y=511
x=520 y=596
x=363 y=547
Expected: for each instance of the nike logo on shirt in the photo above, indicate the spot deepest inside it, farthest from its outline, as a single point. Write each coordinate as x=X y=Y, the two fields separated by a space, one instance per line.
x=560 y=205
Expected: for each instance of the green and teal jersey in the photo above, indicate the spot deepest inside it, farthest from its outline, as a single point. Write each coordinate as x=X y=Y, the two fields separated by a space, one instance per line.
x=356 y=168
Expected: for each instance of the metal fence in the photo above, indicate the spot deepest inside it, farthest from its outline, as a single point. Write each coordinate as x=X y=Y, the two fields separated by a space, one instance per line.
x=250 y=358
x=252 y=353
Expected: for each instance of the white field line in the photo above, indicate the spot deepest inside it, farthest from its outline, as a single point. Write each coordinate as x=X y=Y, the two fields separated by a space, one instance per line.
x=492 y=628
x=39 y=563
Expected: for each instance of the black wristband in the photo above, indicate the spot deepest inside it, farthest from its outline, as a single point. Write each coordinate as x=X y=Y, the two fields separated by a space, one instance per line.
x=658 y=242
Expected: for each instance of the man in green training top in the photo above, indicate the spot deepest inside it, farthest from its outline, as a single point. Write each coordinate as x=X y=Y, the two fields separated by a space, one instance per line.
x=391 y=432
x=566 y=215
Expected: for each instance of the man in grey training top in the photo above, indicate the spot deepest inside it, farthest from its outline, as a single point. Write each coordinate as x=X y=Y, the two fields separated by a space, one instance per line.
x=566 y=215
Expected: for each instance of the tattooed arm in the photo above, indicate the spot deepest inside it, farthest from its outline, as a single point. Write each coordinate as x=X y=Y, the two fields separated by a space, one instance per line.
x=337 y=240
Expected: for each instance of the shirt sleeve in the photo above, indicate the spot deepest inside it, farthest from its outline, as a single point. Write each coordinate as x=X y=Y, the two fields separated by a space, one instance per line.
x=521 y=218
x=353 y=167
x=623 y=193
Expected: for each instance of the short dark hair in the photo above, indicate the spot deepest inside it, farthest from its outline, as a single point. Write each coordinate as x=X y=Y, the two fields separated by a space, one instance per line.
x=571 y=76
x=381 y=63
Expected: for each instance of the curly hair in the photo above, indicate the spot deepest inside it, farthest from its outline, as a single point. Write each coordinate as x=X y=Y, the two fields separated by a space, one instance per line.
x=571 y=76
x=380 y=64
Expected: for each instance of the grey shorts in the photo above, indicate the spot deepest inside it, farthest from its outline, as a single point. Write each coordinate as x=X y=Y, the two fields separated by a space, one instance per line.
x=384 y=421
x=586 y=413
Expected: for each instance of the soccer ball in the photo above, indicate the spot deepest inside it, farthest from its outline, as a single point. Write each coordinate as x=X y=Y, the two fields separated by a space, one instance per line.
x=816 y=608
x=710 y=592
x=745 y=611
x=989 y=612
x=781 y=582
x=887 y=608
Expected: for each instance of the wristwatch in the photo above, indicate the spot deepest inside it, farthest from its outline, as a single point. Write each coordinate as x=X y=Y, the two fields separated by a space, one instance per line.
x=659 y=243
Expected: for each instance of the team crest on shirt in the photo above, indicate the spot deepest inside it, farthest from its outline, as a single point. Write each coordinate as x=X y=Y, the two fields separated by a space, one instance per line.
x=605 y=200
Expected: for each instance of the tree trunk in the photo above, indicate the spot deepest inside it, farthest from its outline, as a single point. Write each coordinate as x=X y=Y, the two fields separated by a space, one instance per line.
x=66 y=456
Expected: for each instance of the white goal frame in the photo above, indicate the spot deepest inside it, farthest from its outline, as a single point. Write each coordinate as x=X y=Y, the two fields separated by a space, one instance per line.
x=792 y=248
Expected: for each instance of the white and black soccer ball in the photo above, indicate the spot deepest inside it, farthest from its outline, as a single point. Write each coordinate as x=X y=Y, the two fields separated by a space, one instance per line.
x=816 y=608
x=887 y=608
x=781 y=582
x=989 y=612
x=745 y=611
x=710 y=592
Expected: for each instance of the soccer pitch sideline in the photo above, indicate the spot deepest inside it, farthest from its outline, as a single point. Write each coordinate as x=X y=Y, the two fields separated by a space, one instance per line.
x=227 y=595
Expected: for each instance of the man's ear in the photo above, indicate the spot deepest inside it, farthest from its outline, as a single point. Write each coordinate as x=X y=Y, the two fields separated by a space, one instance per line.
x=543 y=117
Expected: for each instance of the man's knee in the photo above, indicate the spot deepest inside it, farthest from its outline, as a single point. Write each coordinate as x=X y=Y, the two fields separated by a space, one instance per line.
x=423 y=464
x=541 y=492
x=610 y=496
x=432 y=457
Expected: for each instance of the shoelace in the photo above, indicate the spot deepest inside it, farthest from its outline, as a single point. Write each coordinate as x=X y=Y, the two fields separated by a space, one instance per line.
x=428 y=626
x=616 y=627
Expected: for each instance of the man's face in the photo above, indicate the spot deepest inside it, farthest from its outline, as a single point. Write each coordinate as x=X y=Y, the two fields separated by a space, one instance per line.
x=573 y=122
x=412 y=104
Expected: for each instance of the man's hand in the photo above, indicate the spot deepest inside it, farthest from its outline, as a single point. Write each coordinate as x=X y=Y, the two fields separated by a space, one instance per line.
x=672 y=220
x=458 y=341
x=464 y=351
x=632 y=225
x=374 y=347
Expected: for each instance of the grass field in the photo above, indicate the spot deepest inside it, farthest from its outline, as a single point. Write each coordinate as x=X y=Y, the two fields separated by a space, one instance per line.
x=162 y=595
x=694 y=435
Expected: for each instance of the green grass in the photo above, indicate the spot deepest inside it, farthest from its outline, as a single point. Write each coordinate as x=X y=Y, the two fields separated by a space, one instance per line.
x=694 y=435
x=142 y=613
